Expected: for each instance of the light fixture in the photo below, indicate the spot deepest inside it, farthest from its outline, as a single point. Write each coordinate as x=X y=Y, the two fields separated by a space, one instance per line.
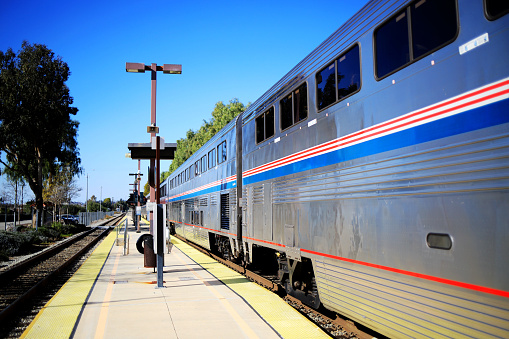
x=172 y=69
x=135 y=67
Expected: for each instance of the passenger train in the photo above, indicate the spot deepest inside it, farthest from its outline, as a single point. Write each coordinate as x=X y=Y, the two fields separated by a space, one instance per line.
x=373 y=178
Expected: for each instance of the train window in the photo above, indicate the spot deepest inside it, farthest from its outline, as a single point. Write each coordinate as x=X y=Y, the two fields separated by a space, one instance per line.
x=300 y=103
x=294 y=107
x=197 y=168
x=433 y=23
x=265 y=125
x=440 y=241
x=392 y=45
x=223 y=144
x=349 y=73
x=204 y=164
x=212 y=158
x=260 y=128
x=191 y=172
x=326 y=86
x=221 y=152
x=496 y=8
x=344 y=74
x=270 y=124
x=285 y=105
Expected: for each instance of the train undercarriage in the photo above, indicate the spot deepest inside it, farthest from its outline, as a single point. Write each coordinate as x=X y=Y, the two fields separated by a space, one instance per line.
x=295 y=277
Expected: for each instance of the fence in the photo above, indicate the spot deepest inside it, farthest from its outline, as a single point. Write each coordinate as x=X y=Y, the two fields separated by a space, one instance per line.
x=86 y=218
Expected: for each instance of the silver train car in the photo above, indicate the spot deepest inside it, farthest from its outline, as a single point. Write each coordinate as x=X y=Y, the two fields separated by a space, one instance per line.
x=373 y=178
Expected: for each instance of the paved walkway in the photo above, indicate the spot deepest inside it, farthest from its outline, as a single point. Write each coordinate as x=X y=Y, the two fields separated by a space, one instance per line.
x=114 y=296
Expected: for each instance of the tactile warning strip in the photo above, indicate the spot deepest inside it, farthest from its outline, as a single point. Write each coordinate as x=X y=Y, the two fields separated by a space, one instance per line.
x=58 y=316
x=288 y=322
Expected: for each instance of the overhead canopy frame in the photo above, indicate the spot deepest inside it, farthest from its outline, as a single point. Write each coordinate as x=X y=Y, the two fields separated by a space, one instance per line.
x=145 y=151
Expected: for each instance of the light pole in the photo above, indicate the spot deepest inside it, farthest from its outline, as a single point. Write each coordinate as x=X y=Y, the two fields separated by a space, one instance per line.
x=153 y=129
x=86 y=205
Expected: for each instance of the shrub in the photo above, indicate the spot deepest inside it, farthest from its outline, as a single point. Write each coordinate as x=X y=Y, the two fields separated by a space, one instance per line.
x=3 y=256
x=21 y=242
x=10 y=242
x=49 y=233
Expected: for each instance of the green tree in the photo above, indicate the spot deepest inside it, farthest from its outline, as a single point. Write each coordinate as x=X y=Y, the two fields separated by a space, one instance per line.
x=121 y=204
x=36 y=129
x=93 y=206
x=107 y=203
x=60 y=188
x=146 y=189
x=221 y=116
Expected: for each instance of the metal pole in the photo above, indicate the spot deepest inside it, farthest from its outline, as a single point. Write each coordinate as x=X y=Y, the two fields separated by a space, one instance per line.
x=125 y=237
x=86 y=206
x=153 y=87
x=238 y=125
x=158 y=161
x=159 y=245
x=138 y=220
x=136 y=201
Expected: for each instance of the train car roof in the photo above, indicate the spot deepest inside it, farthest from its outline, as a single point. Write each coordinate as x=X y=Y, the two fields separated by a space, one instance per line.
x=362 y=22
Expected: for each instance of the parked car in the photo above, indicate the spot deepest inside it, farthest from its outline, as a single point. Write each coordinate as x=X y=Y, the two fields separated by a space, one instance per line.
x=69 y=219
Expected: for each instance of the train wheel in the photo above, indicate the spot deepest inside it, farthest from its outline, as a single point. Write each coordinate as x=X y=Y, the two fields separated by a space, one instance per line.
x=299 y=281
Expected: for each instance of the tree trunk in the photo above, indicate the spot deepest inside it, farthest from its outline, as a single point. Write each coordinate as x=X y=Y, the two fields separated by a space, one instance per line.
x=22 y=206
x=15 y=201
x=38 y=193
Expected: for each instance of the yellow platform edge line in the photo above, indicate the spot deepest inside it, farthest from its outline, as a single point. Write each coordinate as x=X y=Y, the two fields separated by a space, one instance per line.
x=58 y=317
x=283 y=318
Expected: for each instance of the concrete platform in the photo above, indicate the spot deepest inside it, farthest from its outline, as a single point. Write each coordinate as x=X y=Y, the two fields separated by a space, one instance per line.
x=113 y=296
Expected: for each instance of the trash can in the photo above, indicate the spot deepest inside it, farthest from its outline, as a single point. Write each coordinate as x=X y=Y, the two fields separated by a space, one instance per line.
x=148 y=252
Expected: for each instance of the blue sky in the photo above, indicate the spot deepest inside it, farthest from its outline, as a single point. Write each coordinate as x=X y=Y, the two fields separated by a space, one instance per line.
x=228 y=49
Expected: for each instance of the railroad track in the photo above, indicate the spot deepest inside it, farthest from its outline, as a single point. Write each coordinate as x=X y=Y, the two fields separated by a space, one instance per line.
x=22 y=283
x=332 y=323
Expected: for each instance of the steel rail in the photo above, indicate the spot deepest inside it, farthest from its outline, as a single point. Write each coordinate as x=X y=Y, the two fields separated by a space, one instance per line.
x=9 y=311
